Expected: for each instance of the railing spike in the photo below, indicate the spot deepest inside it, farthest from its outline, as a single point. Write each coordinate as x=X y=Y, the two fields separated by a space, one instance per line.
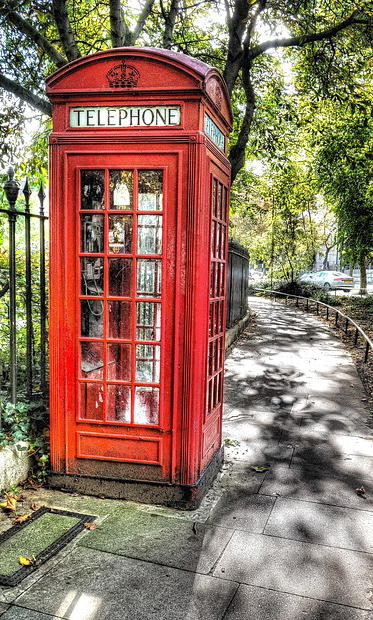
x=41 y=194
x=27 y=193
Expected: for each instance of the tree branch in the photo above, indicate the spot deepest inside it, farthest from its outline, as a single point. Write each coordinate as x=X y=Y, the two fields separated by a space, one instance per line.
x=238 y=151
x=27 y=96
x=119 y=28
x=237 y=27
x=169 y=19
x=67 y=37
x=25 y=27
x=4 y=290
x=238 y=23
x=303 y=39
x=141 y=21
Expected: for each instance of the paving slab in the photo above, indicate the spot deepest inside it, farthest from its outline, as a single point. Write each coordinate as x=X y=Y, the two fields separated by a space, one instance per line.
x=92 y=585
x=324 y=525
x=162 y=540
x=21 y=613
x=239 y=475
x=276 y=420
x=349 y=406
x=360 y=446
x=312 y=485
x=3 y=608
x=315 y=571
x=318 y=457
x=331 y=422
x=240 y=511
x=262 y=453
x=250 y=603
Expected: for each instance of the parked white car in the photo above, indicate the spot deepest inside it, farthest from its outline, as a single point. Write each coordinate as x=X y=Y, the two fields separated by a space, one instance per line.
x=306 y=278
x=333 y=280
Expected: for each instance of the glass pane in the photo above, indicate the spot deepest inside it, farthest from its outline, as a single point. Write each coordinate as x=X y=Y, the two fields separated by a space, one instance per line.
x=211 y=358
x=149 y=234
x=217 y=318
x=214 y=196
x=220 y=197
x=222 y=280
x=148 y=321
x=120 y=234
x=120 y=319
x=218 y=388
x=92 y=276
x=92 y=233
x=91 y=401
x=213 y=386
x=213 y=236
x=149 y=278
x=225 y=203
x=121 y=189
x=92 y=189
x=218 y=233
x=92 y=318
x=217 y=354
x=147 y=363
x=119 y=403
x=222 y=242
x=211 y=318
x=150 y=190
x=91 y=360
x=209 y=401
x=120 y=277
x=119 y=362
x=146 y=405
x=212 y=281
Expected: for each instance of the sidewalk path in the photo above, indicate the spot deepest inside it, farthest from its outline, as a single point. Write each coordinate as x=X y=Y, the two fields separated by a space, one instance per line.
x=292 y=542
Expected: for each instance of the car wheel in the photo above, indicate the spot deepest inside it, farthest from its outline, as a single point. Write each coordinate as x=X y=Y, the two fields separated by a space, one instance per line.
x=327 y=286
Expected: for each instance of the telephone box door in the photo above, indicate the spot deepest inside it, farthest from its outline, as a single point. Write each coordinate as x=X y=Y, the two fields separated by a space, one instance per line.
x=120 y=246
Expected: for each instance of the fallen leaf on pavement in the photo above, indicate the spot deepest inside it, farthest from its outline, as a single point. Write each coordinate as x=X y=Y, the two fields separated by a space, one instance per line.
x=260 y=470
x=27 y=561
x=361 y=492
x=10 y=504
x=91 y=526
x=34 y=506
x=21 y=519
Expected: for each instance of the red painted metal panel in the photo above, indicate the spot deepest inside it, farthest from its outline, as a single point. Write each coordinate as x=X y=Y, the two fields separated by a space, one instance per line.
x=122 y=448
x=138 y=289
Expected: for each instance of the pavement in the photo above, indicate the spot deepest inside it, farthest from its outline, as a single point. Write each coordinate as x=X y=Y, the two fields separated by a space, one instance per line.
x=282 y=535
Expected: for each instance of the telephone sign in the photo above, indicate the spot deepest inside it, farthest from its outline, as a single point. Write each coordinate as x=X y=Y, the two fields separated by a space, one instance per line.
x=129 y=116
x=139 y=224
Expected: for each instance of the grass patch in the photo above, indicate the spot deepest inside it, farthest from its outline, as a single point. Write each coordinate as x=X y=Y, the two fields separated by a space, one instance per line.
x=32 y=540
x=40 y=537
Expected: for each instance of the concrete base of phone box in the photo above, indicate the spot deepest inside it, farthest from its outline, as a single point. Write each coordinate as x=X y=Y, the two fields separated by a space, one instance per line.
x=184 y=497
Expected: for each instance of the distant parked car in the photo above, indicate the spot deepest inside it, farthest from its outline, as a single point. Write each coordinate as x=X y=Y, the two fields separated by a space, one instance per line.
x=306 y=278
x=333 y=280
x=254 y=275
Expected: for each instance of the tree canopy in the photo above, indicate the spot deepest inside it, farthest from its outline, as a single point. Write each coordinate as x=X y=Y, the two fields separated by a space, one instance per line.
x=326 y=41
x=345 y=170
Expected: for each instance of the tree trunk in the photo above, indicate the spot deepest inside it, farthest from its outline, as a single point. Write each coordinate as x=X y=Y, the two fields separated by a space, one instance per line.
x=326 y=258
x=363 y=278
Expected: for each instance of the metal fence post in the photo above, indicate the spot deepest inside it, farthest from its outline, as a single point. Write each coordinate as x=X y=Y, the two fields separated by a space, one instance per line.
x=27 y=194
x=11 y=189
x=43 y=309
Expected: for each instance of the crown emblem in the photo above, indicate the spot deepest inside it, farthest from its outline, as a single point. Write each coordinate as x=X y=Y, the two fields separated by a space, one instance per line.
x=123 y=76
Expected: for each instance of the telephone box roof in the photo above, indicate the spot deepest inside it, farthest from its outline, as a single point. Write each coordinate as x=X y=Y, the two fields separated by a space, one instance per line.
x=199 y=76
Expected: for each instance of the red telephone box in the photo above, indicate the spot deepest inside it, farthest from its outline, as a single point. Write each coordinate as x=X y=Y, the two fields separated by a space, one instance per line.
x=139 y=216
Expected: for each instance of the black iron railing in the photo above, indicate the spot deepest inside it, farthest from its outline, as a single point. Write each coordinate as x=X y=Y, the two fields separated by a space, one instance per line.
x=315 y=305
x=237 y=284
x=11 y=288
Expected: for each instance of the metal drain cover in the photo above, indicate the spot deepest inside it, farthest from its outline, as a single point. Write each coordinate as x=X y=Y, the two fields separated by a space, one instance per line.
x=44 y=533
